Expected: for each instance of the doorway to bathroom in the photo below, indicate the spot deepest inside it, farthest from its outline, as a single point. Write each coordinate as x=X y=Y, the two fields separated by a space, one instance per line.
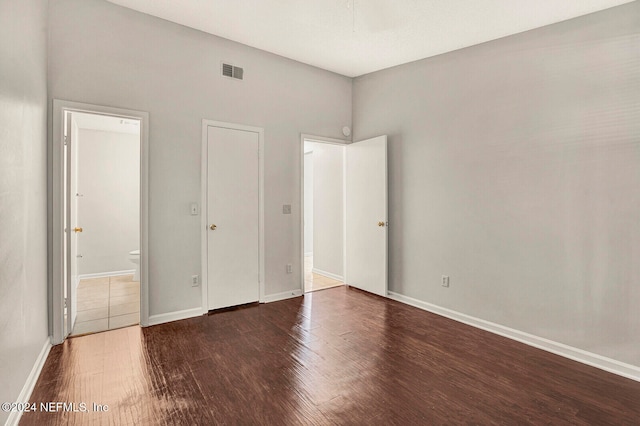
x=105 y=222
x=101 y=230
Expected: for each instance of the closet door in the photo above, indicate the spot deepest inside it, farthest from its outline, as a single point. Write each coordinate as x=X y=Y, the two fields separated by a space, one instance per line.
x=233 y=217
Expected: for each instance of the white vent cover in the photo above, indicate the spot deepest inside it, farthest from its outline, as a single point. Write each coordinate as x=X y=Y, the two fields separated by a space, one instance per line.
x=232 y=71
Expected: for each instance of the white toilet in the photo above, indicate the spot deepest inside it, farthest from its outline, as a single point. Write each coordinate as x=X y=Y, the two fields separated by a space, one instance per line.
x=134 y=256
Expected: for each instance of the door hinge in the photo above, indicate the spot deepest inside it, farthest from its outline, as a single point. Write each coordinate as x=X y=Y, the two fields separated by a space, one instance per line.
x=66 y=139
x=66 y=302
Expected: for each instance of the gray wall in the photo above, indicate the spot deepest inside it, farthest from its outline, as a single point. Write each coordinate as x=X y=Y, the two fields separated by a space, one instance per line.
x=109 y=209
x=308 y=202
x=328 y=208
x=104 y=54
x=515 y=169
x=23 y=192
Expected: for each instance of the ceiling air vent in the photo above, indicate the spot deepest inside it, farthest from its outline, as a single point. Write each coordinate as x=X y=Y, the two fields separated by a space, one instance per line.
x=232 y=71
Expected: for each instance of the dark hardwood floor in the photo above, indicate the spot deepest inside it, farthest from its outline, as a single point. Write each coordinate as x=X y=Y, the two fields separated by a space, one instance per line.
x=337 y=356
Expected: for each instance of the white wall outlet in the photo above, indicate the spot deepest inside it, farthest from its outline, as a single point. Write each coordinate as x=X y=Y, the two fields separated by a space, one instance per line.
x=193 y=208
x=445 y=281
x=286 y=209
x=195 y=281
x=289 y=268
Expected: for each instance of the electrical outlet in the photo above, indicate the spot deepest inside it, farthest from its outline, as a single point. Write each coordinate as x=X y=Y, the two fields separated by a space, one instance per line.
x=445 y=281
x=286 y=209
x=195 y=281
x=289 y=268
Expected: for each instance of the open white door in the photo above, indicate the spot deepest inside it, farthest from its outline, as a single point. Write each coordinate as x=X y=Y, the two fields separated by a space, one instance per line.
x=66 y=248
x=366 y=212
x=74 y=228
x=71 y=222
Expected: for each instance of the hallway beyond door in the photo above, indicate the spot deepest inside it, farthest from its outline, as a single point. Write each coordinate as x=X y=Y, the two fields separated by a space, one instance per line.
x=313 y=281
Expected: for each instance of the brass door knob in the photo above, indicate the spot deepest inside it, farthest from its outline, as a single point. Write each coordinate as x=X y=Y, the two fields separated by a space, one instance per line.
x=77 y=229
x=212 y=227
x=380 y=223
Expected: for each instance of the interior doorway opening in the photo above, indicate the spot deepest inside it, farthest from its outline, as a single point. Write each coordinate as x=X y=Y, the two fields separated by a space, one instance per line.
x=102 y=206
x=344 y=227
x=323 y=214
x=99 y=219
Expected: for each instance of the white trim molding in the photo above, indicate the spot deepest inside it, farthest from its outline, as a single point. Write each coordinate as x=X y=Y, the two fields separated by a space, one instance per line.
x=30 y=383
x=282 y=296
x=174 y=316
x=328 y=274
x=607 y=364
x=322 y=139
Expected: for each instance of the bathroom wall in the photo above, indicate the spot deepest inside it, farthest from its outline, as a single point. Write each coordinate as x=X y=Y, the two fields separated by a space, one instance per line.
x=23 y=193
x=514 y=168
x=104 y=54
x=328 y=209
x=308 y=203
x=109 y=208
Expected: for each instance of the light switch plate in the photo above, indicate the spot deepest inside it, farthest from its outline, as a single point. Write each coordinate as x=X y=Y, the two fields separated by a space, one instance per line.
x=194 y=209
x=445 y=281
x=286 y=209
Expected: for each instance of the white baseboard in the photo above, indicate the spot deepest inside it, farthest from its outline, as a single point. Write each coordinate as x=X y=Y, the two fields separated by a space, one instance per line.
x=281 y=296
x=174 y=316
x=328 y=274
x=607 y=364
x=106 y=274
x=27 y=389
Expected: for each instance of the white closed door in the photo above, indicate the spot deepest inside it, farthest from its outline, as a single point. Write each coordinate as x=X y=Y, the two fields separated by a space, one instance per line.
x=233 y=217
x=366 y=214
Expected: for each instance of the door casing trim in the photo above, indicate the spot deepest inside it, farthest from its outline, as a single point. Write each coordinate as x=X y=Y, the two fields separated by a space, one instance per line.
x=204 y=182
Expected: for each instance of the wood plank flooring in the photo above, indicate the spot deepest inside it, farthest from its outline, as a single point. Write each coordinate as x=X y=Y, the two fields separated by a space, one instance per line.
x=337 y=356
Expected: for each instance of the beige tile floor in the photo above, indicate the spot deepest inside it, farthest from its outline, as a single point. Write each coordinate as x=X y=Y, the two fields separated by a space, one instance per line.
x=312 y=281
x=107 y=303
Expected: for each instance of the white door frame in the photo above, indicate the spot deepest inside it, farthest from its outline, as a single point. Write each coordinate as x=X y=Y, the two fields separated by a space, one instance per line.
x=57 y=208
x=331 y=141
x=204 y=182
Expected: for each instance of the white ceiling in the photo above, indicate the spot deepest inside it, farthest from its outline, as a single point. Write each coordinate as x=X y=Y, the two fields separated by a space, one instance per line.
x=355 y=37
x=107 y=123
